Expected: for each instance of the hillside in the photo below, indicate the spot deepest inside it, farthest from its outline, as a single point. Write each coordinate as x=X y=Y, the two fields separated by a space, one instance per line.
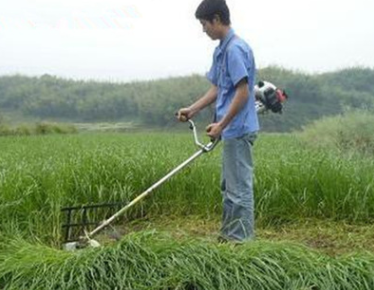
x=153 y=103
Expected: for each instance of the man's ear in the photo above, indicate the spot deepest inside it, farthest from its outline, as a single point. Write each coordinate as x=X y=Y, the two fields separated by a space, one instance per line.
x=217 y=18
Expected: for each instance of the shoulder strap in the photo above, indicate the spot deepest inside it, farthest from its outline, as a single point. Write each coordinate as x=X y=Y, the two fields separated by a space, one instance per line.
x=225 y=56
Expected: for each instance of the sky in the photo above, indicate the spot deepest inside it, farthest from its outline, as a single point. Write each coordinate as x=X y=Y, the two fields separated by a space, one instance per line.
x=130 y=40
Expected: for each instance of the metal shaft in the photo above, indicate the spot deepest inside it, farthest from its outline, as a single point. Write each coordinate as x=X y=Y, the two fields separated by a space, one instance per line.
x=144 y=194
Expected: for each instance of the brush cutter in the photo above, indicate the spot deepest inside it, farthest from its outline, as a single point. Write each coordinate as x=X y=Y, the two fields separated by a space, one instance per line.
x=268 y=98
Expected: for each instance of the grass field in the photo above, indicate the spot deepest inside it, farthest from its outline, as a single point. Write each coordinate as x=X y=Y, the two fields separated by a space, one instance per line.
x=314 y=209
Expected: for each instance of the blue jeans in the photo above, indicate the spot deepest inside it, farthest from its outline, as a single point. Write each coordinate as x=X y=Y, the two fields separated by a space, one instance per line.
x=237 y=189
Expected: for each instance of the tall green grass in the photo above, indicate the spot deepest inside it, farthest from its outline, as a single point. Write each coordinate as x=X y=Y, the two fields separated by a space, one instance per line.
x=294 y=180
x=38 y=176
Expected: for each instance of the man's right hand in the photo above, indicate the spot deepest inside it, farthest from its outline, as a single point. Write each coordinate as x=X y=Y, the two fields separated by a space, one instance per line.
x=184 y=114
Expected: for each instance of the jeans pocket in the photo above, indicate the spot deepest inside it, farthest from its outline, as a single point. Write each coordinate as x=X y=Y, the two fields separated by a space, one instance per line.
x=251 y=138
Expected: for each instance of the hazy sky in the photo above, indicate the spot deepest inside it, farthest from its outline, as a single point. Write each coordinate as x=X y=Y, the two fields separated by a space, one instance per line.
x=148 y=39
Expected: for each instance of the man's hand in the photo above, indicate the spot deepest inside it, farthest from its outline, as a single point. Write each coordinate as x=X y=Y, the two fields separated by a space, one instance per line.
x=184 y=114
x=214 y=130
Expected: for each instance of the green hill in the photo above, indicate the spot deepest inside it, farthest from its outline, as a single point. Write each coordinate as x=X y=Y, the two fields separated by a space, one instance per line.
x=154 y=102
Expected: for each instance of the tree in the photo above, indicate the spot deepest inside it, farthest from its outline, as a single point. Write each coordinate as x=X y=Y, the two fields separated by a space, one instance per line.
x=312 y=96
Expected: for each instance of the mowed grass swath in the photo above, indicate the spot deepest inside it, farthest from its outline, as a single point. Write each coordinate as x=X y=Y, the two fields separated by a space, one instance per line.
x=154 y=261
x=39 y=176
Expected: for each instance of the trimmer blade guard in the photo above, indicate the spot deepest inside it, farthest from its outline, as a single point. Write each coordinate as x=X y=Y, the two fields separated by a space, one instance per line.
x=81 y=219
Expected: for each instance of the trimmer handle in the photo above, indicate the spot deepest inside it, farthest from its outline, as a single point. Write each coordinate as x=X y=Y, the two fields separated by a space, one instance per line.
x=206 y=148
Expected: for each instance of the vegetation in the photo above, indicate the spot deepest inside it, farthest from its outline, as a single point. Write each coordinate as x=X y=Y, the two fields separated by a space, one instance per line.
x=349 y=132
x=292 y=181
x=41 y=128
x=152 y=261
x=325 y=191
x=153 y=103
x=333 y=238
x=100 y=168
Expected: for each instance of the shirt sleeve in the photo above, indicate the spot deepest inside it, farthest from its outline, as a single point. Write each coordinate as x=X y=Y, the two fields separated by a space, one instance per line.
x=237 y=64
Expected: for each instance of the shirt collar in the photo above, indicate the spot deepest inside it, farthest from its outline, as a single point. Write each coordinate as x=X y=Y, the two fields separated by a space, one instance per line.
x=224 y=42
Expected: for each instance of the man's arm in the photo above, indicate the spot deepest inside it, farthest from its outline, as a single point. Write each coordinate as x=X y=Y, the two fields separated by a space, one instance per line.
x=210 y=97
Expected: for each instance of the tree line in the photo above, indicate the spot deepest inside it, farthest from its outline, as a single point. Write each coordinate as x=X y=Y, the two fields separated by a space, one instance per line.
x=153 y=103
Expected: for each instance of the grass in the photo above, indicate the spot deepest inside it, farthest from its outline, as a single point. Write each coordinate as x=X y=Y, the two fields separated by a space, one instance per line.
x=291 y=182
x=316 y=206
x=150 y=260
x=325 y=236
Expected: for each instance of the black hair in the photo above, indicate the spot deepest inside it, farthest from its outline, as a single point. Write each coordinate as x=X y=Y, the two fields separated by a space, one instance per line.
x=208 y=9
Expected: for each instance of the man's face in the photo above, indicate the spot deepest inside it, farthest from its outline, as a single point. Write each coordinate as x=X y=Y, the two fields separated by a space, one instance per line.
x=210 y=28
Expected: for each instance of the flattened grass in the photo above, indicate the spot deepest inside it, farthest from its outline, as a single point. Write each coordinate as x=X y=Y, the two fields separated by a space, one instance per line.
x=150 y=260
x=333 y=238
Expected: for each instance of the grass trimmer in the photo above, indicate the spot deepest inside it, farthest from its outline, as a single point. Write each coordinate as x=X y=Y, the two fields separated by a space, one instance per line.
x=268 y=98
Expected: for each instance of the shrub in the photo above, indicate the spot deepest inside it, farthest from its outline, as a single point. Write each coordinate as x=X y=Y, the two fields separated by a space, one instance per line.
x=22 y=130
x=4 y=130
x=42 y=128
x=351 y=131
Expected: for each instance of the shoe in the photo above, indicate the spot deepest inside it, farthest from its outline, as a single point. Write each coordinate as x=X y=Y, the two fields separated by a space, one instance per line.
x=223 y=240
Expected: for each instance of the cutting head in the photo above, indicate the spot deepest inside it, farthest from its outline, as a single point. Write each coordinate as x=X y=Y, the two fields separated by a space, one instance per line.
x=81 y=244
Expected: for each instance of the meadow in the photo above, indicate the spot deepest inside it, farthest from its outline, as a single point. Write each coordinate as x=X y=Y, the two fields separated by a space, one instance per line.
x=297 y=186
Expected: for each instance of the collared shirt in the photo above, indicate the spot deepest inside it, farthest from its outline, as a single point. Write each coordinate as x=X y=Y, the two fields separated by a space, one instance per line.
x=232 y=61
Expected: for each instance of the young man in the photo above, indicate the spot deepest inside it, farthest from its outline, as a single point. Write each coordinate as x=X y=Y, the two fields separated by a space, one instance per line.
x=232 y=76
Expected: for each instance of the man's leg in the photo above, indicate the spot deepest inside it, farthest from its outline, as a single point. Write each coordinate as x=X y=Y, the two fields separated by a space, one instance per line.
x=237 y=189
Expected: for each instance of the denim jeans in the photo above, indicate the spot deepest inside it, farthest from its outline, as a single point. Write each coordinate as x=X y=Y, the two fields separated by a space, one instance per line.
x=237 y=188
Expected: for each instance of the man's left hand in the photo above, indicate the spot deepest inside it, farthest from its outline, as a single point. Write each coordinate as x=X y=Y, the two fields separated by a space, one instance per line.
x=214 y=130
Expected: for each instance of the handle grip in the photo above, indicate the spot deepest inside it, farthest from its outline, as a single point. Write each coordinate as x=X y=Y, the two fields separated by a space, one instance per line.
x=206 y=148
x=177 y=114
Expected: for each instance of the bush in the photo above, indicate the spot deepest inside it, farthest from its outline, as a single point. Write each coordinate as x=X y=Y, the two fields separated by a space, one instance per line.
x=350 y=131
x=44 y=128
x=38 y=129
x=22 y=130
x=4 y=130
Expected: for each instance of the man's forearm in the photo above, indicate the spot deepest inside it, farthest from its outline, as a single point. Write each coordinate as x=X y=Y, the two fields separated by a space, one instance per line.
x=240 y=99
x=209 y=98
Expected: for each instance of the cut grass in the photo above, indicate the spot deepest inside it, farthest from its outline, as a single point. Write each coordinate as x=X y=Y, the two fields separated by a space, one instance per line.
x=328 y=237
x=155 y=261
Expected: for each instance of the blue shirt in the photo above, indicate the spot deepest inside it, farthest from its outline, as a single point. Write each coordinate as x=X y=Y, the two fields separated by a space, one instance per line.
x=232 y=61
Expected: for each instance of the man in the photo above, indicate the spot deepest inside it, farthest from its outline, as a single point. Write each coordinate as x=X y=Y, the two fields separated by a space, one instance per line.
x=232 y=76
